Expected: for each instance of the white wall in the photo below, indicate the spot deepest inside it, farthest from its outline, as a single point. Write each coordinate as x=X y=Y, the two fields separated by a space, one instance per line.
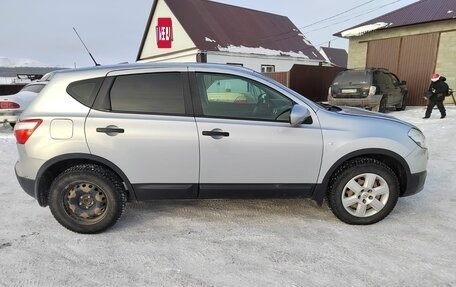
x=181 y=57
x=181 y=41
x=254 y=62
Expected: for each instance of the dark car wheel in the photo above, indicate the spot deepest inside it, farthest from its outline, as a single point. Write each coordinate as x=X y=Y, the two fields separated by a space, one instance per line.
x=363 y=191
x=382 y=105
x=403 y=103
x=87 y=198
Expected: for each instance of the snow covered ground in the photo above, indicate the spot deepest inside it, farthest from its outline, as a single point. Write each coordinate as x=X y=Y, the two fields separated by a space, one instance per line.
x=240 y=242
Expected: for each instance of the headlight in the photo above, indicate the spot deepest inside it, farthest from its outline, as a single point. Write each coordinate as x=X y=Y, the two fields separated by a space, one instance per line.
x=418 y=137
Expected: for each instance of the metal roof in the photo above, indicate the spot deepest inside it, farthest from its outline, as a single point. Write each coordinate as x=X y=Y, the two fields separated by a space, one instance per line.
x=423 y=11
x=336 y=56
x=215 y=26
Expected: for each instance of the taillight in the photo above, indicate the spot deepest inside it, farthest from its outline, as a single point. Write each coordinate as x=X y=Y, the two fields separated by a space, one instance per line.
x=24 y=129
x=9 y=105
x=372 y=90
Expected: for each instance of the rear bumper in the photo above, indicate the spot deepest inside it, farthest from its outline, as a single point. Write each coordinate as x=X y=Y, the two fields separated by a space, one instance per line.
x=9 y=116
x=415 y=183
x=28 y=185
x=368 y=102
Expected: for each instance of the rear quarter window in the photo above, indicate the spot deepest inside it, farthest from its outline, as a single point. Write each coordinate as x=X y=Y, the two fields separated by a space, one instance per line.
x=85 y=91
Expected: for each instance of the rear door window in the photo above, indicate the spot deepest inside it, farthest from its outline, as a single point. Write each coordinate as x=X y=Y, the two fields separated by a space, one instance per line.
x=155 y=93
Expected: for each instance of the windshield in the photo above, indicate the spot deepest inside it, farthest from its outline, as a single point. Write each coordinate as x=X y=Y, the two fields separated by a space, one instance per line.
x=349 y=78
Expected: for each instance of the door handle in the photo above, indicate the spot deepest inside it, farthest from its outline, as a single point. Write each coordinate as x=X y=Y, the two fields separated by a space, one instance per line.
x=111 y=130
x=216 y=133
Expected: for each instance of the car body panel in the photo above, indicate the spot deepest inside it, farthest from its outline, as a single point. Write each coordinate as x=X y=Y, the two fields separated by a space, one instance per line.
x=259 y=152
x=165 y=148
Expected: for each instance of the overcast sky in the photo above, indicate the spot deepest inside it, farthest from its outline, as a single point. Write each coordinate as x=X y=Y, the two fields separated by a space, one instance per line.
x=113 y=29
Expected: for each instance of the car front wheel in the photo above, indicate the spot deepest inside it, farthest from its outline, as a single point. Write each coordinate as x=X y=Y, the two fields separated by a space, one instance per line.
x=363 y=191
x=87 y=198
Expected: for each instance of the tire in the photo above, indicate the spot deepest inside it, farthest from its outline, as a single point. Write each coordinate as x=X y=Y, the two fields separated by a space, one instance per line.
x=403 y=104
x=358 y=201
x=87 y=198
x=382 y=105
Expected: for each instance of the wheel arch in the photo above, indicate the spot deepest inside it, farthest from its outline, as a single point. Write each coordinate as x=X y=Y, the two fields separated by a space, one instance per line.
x=396 y=162
x=53 y=167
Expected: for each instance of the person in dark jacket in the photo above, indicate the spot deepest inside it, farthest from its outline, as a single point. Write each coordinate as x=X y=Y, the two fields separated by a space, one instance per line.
x=437 y=92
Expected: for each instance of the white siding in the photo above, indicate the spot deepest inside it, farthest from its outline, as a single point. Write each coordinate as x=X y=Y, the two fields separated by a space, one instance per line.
x=254 y=62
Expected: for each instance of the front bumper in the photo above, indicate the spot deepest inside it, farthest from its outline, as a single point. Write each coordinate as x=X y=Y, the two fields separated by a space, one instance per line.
x=415 y=183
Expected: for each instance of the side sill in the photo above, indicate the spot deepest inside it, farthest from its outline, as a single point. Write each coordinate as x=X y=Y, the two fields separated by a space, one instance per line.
x=165 y=191
x=255 y=190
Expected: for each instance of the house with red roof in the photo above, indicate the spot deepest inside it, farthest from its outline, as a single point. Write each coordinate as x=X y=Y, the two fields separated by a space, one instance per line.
x=335 y=56
x=207 y=31
x=414 y=42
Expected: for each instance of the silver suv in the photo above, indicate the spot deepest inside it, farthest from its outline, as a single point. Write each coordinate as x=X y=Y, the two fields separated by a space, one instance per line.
x=96 y=138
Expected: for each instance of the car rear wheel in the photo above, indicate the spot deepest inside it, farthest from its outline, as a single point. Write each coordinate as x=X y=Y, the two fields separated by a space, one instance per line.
x=403 y=103
x=363 y=191
x=382 y=105
x=87 y=198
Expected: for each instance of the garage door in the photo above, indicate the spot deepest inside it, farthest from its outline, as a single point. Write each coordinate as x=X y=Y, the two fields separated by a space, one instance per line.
x=412 y=58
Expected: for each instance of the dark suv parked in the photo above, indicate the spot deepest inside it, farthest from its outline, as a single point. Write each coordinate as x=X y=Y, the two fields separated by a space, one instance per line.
x=373 y=88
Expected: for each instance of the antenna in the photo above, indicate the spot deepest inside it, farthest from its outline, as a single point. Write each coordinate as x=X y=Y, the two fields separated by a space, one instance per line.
x=93 y=59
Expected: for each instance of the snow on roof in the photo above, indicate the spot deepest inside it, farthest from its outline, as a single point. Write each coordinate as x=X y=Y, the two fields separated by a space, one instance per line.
x=423 y=11
x=364 y=29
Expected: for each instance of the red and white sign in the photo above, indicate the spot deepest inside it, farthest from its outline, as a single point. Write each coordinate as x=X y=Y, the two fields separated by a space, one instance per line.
x=164 y=32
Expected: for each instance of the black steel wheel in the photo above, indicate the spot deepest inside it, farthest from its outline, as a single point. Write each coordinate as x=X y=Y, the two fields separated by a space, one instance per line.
x=363 y=191
x=87 y=198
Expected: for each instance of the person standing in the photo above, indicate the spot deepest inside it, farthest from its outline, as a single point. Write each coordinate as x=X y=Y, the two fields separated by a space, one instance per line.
x=437 y=92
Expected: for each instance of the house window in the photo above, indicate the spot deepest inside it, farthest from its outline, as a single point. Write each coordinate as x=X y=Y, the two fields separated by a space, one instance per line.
x=267 y=68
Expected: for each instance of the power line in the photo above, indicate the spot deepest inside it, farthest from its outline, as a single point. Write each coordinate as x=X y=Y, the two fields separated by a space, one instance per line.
x=334 y=16
x=297 y=32
x=265 y=41
x=353 y=17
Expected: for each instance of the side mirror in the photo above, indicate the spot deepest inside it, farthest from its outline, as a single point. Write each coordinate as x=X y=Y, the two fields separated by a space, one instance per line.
x=403 y=82
x=298 y=115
